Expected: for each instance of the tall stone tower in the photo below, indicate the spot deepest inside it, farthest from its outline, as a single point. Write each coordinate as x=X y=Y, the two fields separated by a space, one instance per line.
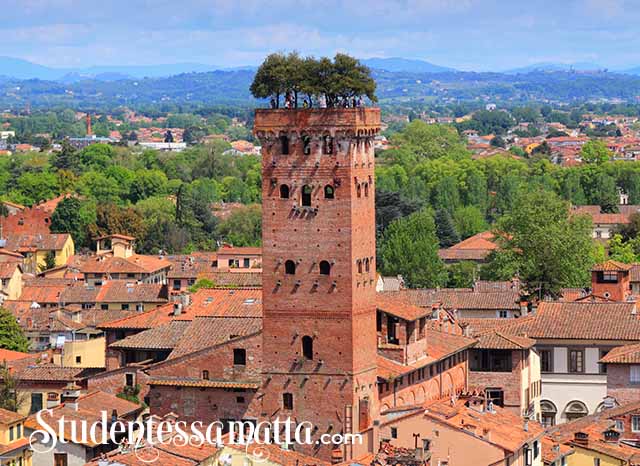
x=319 y=272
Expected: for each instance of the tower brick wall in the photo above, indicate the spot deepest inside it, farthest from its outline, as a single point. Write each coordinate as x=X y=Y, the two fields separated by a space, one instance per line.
x=319 y=219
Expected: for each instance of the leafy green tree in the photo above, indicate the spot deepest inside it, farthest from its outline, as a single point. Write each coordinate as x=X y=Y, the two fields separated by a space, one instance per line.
x=11 y=398
x=391 y=206
x=498 y=141
x=74 y=216
x=445 y=229
x=431 y=141
x=469 y=221
x=67 y=158
x=112 y=219
x=148 y=183
x=462 y=274
x=243 y=227
x=37 y=187
x=11 y=336
x=409 y=247
x=552 y=249
x=595 y=151
x=621 y=251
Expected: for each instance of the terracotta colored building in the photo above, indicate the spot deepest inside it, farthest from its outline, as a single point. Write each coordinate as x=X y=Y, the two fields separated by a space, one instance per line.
x=319 y=273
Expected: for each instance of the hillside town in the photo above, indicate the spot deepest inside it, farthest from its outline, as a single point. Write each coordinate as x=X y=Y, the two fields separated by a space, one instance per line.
x=399 y=281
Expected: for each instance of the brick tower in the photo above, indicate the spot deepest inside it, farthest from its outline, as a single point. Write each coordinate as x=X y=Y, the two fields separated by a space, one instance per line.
x=319 y=273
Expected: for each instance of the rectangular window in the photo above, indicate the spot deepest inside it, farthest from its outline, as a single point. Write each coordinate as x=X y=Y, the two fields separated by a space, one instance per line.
x=104 y=307
x=129 y=380
x=394 y=432
x=491 y=360
x=246 y=263
x=596 y=462
x=610 y=277
x=287 y=401
x=11 y=434
x=634 y=373
x=576 y=360
x=239 y=357
x=546 y=360
x=503 y=314
x=19 y=431
x=78 y=359
x=619 y=425
x=635 y=423
x=125 y=307
x=177 y=284
x=602 y=368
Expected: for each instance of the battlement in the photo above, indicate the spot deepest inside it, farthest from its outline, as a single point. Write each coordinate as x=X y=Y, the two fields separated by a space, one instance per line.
x=361 y=121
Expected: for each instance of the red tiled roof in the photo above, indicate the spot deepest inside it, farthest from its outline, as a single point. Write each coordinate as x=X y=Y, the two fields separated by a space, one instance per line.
x=627 y=354
x=460 y=299
x=234 y=279
x=40 y=242
x=7 y=269
x=399 y=307
x=476 y=247
x=205 y=332
x=164 y=337
x=501 y=341
x=202 y=383
x=135 y=264
x=143 y=320
x=51 y=373
x=611 y=266
x=225 y=303
x=114 y=291
x=8 y=355
x=579 y=321
x=9 y=417
x=242 y=251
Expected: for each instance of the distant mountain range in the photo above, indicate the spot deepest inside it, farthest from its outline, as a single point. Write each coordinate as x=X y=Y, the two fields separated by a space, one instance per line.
x=405 y=65
x=23 y=69
x=17 y=68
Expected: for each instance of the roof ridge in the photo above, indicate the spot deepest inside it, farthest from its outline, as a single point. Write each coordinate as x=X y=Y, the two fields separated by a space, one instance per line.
x=499 y=333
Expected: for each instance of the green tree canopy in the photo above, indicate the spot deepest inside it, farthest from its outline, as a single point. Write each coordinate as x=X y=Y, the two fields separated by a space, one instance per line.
x=409 y=247
x=550 y=248
x=11 y=336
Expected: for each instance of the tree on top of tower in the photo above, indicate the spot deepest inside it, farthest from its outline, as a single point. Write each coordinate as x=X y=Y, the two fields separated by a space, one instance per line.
x=341 y=82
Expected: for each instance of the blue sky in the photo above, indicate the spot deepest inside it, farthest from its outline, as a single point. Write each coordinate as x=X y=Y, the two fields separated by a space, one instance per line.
x=465 y=34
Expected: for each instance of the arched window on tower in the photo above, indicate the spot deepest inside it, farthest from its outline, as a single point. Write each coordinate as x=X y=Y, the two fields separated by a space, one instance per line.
x=366 y=190
x=284 y=191
x=306 y=144
x=366 y=264
x=307 y=347
x=290 y=267
x=327 y=145
x=284 y=145
x=329 y=192
x=306 y=195
x=358 y=190
x=325 y=268
x=359 y=262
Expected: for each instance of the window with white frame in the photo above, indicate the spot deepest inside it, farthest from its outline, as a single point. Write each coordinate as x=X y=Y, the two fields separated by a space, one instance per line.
x=634 y=373
x=635 y=423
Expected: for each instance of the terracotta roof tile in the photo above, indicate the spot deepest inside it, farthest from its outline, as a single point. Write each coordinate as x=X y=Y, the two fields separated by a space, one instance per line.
x=627 y=354
x=501 y=341
x=635 y=273
x=477 y=247
x=579 y=320
x=396 y=304
x=225 y=302
x=611 y=266
x=9 y=417
x=143 y=320
x=205 y=332
x=8 y=355
x=461 y=299
x=114 y=291
x=164 y=337
x=201 y=383
x=51 y=373
x=245 y=251
x=134 y=264
x=234 y=279
x=40 y=242
x=553 y=451
x=7 y=269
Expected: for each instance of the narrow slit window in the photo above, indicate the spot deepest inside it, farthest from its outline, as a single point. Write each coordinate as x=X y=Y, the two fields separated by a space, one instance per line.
x=306 y=195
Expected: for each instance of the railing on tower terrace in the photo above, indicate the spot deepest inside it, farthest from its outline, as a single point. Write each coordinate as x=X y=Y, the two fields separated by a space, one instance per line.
x=364 y=120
